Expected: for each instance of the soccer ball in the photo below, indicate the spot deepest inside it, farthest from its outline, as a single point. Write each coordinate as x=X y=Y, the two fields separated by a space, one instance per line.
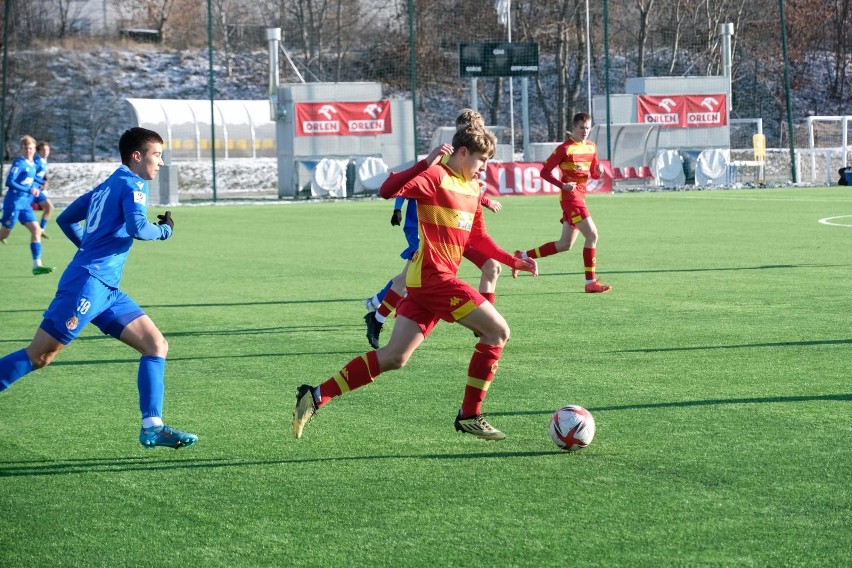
x=572 y=428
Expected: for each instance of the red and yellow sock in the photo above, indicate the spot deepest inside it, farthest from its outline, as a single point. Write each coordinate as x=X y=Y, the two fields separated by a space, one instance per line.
x=480 y=372
x=358 y=372
x=388 y=305
x=544 y=250
x=589 y=263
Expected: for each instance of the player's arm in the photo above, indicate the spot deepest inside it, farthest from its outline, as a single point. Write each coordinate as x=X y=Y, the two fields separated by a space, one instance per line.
x=596 y=169
x=549 y=165
x=396 y=217
x=482 y=241
x=394 y=183
x=490 y=204
x=423 y=184
x=19 y=179
x=69 y=221
x=136 y=219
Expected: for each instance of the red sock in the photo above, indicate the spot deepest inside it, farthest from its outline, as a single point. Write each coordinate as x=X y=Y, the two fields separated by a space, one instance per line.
x=589 y=262
x=358 y=372
x=490 y=296
x=389 y=303
x=544 y=250
x=480 y=372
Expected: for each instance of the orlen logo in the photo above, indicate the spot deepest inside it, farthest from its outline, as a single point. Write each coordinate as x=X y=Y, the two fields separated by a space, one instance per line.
x=374 y=125
x=711 y=118
x=327 y=111
x=667 y=104
x=710 y=103
x=373 y=110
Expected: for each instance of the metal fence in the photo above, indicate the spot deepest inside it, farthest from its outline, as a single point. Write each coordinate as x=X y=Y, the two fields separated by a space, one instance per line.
x=67 y=70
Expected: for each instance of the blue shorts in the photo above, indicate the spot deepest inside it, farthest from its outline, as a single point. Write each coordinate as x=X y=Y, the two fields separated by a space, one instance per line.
x=81 y=298
x=41 y=197
x=12 y=216
x=413 y=240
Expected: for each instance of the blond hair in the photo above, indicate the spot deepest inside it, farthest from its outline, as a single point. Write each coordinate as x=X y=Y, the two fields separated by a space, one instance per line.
x=26 y=140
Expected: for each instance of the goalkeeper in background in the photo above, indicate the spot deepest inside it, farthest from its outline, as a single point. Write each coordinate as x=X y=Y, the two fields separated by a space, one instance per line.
x=115 y=215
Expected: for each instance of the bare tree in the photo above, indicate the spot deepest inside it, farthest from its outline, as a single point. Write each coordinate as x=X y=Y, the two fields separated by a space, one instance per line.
x=645 y=7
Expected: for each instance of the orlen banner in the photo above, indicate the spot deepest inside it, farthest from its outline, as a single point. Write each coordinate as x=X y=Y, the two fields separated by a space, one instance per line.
x=524 y=178
x=683 y=111
x=365 y=118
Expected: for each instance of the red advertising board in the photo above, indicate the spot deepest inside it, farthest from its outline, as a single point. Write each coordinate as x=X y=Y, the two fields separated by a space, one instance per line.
x=683 y=111
x=524 y=178
x=363 y=118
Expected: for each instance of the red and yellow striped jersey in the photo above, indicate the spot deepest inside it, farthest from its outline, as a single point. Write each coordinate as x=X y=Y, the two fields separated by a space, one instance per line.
x=577 y=161
x=450 y=215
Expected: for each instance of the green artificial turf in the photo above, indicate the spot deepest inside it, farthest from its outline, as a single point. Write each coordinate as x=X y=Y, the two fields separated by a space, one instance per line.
x=718 y=372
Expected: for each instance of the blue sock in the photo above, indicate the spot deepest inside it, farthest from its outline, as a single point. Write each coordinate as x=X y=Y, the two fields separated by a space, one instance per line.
x=14 y=366
x=381 y=295
x=35 y=248
x=43 y=223
x=151 y=386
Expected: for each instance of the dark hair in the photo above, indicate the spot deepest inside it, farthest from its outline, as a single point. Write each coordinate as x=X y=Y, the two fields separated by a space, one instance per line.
x=475 y=140
x=136 y=139
x=41 y=144
x=580 y=118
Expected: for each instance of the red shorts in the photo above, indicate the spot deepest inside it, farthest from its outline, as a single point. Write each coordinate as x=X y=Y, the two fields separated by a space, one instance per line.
x=573 y=212
x=450 y=301
x=476 y=257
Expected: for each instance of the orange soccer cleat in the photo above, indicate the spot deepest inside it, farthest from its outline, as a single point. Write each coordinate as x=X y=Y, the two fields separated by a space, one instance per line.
x=597 y=288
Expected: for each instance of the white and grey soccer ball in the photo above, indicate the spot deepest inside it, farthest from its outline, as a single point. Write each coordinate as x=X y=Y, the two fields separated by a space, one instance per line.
x=572 y=428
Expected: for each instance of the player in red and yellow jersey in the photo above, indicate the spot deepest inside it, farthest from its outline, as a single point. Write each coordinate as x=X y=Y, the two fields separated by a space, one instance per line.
x=577 y=160
x=450 y=217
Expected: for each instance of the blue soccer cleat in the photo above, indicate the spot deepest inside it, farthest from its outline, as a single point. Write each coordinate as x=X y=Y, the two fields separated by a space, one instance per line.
x=167 y=437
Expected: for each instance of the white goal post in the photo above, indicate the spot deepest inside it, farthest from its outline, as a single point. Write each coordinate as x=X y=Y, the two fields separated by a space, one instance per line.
x=830 y=144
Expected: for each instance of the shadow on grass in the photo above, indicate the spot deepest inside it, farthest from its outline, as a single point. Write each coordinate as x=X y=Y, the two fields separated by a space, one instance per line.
x=719 y=269
x=225 y=332
x=739 y=346
x=359 y=301
x=77 y=466
x=686 y=403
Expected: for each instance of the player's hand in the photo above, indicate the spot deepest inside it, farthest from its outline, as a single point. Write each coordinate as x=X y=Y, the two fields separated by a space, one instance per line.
x=495 y=206
x=527 y=265
x=166 y=220
x=396 y=218
x=436 y=153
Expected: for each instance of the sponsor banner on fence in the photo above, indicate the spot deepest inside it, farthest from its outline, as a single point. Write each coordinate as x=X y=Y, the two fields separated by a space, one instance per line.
x=683 y=111
x=364 y=118
x=524 y=178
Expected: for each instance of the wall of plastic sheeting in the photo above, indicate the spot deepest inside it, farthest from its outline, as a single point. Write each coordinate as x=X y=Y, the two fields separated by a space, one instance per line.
x=243 y=128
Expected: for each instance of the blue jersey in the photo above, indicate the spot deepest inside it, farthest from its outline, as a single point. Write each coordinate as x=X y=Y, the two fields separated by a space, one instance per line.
x=410 y=223
x=40 y=171
x=115 y=213
x=20 y=183
x=410 y=227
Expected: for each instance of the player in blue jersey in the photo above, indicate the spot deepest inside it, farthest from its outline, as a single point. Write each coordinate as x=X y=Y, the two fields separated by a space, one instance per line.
x=42 y=202
x=17 y=205
x=115 y=213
